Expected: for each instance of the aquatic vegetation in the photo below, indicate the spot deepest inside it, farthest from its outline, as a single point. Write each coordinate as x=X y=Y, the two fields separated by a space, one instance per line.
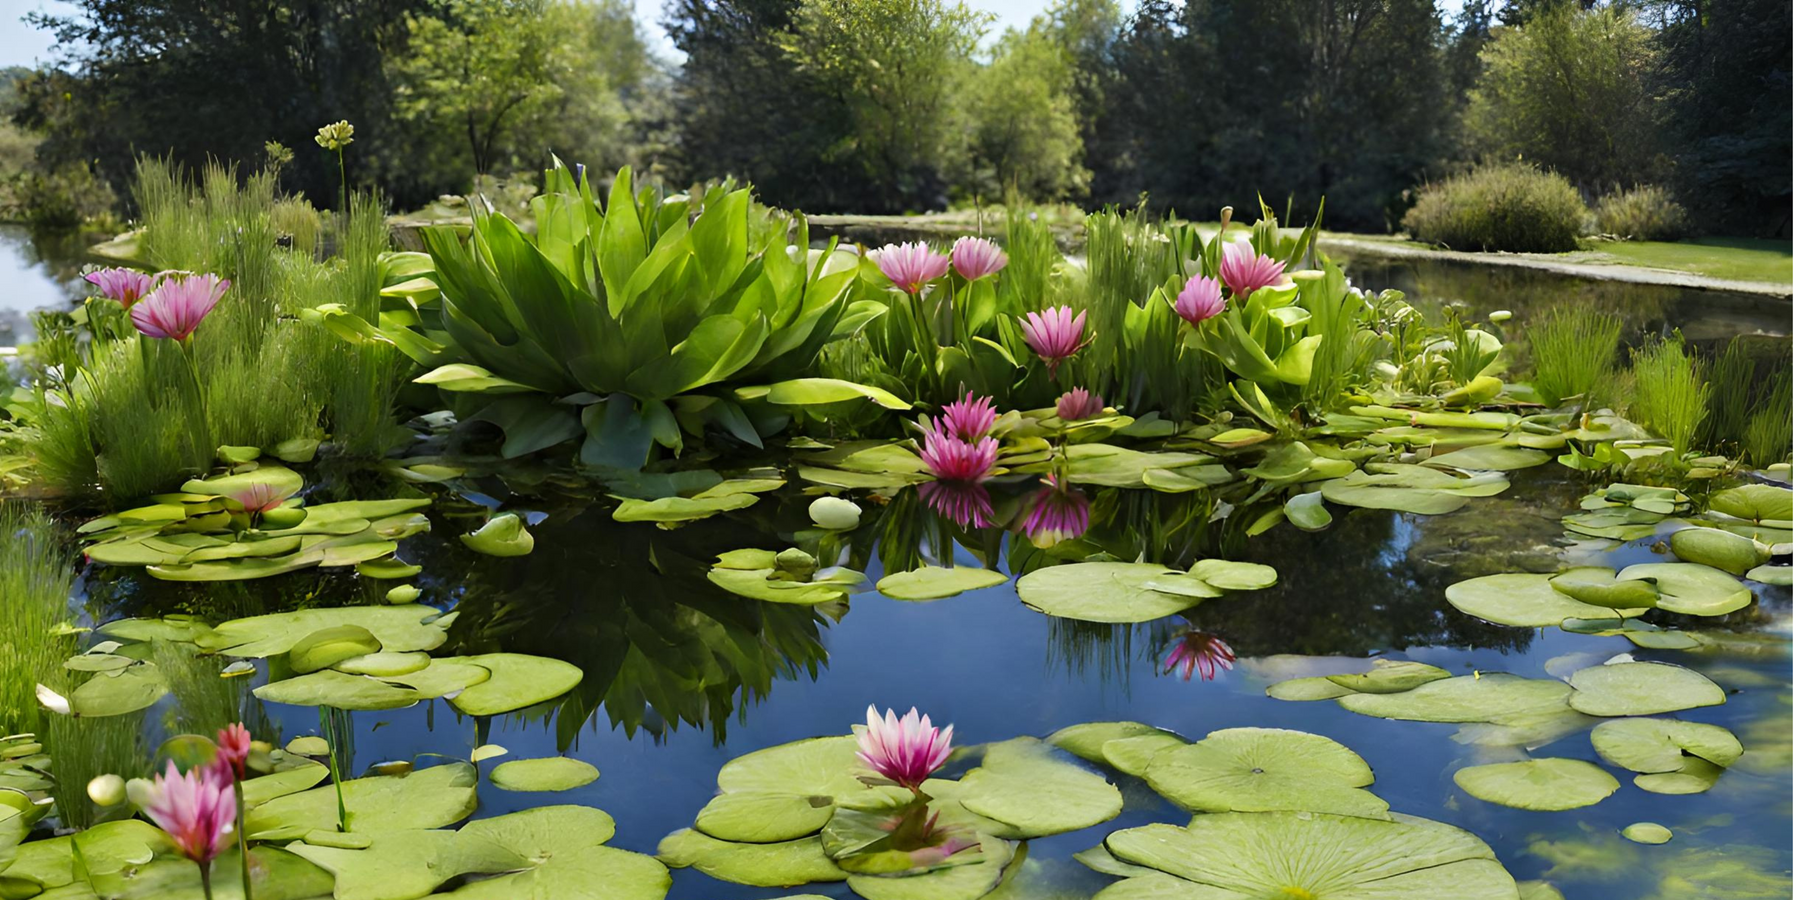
x=36 y=577
x=1245 y=271
x=977 y=258
x=968 y=419
x=1669 y=392
x=502 y=535
x=1135 y=592
x=1539 y=784
x=1055 y=334
x=950 y=458
x=937 y=582
x=834 y=513
x=902 y=750
x=175 y=309
x=911 y=266
x=1200 y=299
x=1057 y=512
x=197 y=810
x=123 y=285
x=1077 y=404
x=1195 y=652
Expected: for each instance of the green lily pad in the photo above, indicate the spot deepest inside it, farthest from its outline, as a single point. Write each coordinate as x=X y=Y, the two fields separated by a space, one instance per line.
x=968 y=882
x=783 y=792
x=1023 y=784
x=1646 y=833
x=1307 y=511
x=1490 y=457
x=1599 y=586
x=1308 y=689
x=778 y=864
x=1114 y=466
x=596 y=873
x=119 y=692
x=1524 y=600
x=275 y=875
x=1132 y=755
x=754 y=574
x=401 y=629
x=1264 y=769
x=1412 y=489
x=339 y=690
x=404 y=865
x=1660 y=745
x=1539 y=784
x=736 y=493
x=1780 y=576
x=1088 y=739
x=384 y=664
x=1691 y=588
x=441 y=678
x=1105 y=591
x=329 y=646
x=555 y=773
x=1227 y=575
x=1307 y=855
x=937 y=582
x=1493 y=697
x=1733 y=553
x=387 y=569
x=1389 y=677
x=517 y=681
x=1755 y=503
x=1641 y=689
x=1621 y=523
x=422 y=799
x=1695 y=776
x=502 y=535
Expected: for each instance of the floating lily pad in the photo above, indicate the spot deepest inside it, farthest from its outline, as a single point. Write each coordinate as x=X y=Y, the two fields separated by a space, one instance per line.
x=329 y=646
x=338 y=689
x=1307 y=689
x=1524 y=600
x=1646 y=833
x=1307 y=511
x=1691 y=588
x=1539 y=784
x=1132 y=755
x=1413 y=489
x=1755 y=503
x=1087 y=739
x=1641 y=689
x=1620 y=523
x=937 y=582
x=783 y=792
x=1660 y=745
x=1695 y=776
x=119 y=692
x=1490 y=457
x=1114 y=466
x=1023 y=784
x=1389 y=677
x=555 y=773
x=502 y=535
x=1733 y=553
x=779 y=864
x=1263 y=769
x=1780 y=576
x=1227 y=575
x=1111 y=591
x=517 y=681
x=1493 y=697
x=1283 y=854
x=755 y=574
x=384 y=664
x=423 y=799
x=735 y=493
x=957 y=883
x=1600 y=586
x=1640 y=633
x=403 y=865
x=398 y=628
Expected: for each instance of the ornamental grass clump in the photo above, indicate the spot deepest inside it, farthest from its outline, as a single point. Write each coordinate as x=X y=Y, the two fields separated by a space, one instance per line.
x=1574 y=351
x=1512 y=207
x=1669 y=391
x=1642 y=213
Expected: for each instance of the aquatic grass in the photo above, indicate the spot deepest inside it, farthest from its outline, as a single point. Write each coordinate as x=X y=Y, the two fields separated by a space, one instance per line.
x=1768 y=437
x=1574 y=349
x=363 y=382
x=1120 y=275
x=83 y=748
x=1735 y=397
x=36 y=575
x=1669 y=393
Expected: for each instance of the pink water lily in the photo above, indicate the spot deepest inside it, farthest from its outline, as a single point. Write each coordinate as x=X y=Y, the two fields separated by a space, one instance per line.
x=1198 y=652
x=1078 y=404
x=261 y=496
x=178 y=305
x=976 y=258
x=911 y=266
x=1054 y=334
x=1058 y=513
x=965 y=503
x=950 y=458
x=234 y=750
x=1200 y=300
x=197 y=809
x=970 y=418
x=124 y=285
x=902 y=750
x=1245 y=271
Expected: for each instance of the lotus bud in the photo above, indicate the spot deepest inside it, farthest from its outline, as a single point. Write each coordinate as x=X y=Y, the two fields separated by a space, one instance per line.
x=795 y=561
x=141 y=792
x=107 y=790
x=1500 y=315
x=835 y=513
x=284 y=516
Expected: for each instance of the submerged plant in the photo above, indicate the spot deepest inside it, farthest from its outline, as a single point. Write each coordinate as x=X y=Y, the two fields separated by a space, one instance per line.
x=902 y=750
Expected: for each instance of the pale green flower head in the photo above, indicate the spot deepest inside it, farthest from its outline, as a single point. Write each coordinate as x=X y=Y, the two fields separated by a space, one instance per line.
x=336 y=136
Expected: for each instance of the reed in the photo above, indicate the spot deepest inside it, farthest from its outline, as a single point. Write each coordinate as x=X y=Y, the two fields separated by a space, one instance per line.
x=1574 y=350
x=36 y=576
x=1669 y=391
x=1769 y=433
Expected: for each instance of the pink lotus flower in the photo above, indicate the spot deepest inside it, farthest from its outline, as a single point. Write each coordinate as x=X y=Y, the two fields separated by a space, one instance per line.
x=904 y=751
x=1078 y=404
x=1058 y=513
x=178 y=305
x=123 y=285
x=1200 y=300
x=1197 y=651
x=952 y=459
x=969 y=418
x=1245 y=271
x=1054 y=334
x=234 y=750
x=197 y=810
x=965 y=503
x=976 y=258
x=911 y=266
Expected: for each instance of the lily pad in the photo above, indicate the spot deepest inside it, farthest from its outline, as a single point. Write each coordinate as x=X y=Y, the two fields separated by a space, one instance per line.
x=1646 y=833
x=503 y=535
x=1389 y=677
x=1227 y=575
x=1023 y=784
x=1600 y=586
x=1661 y=745
x=1411 y=489
x=779 y=864
x=339 y=690
x=1695 y=776
x=937 y=582
x=1496 y=697
x=517 y=681
x=422 y=799
x=783 y=792
x=1539 y=784
x=384 y=664
x=1308 y=689
x=329 y=646
x=1524 y=600
x=1490 y=457
x=1132 y=755
x=1755 y=503
x=1641 y=689
x=399 y=628
x=1691 y=588
x=1780 y=576
x=1308 y=855
x=119 y=692
x=968 y=882
x=1105 y=591
x=1088 y=739
x=1733 y=553
x=555 y=773
x=1263 y=769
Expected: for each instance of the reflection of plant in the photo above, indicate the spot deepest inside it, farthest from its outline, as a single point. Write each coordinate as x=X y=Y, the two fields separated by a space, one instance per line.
x=1197 y=652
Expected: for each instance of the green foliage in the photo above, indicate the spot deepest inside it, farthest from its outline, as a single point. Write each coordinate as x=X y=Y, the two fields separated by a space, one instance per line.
x=1769 y=435
x=1574 y=352
x=84 y=748
x=1643 y=213
x=1751 y=410
x=1023 y=126
x=1669 y=392
x=36 y=576
x=1570 y=89
x=1508 y=206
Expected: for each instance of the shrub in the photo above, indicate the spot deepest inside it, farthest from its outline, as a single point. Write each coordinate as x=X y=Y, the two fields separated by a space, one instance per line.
x=1509 y=206
x=1643 y=213
x=1573 y=349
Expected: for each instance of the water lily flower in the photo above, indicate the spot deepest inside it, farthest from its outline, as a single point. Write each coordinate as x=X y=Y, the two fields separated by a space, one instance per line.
x=336 y=136
x=911 y=266
x=1200 y=300
x=965 y=503
x=969 y=418
x=902 y=750
x=1058 y=513
x=234 y=750
x=124 y=285
x=178 y=305
x=261 y=496
x=1245 y=271
x=196 y=809
x=950 y=458
x=1196 y=651
x=1054 y=334
x=976 y=258
x=1078 y=404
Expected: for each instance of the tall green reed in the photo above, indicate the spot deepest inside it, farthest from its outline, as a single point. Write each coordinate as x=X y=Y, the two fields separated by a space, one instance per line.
x=36 y=575
x=1574 y=352
x=1669 y=391
x=1768 y=436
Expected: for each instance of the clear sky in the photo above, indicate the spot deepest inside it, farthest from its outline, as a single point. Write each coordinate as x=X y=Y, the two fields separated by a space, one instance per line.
x=20 y=44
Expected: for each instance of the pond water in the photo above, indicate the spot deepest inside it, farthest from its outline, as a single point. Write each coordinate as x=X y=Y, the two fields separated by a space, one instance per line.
x=38 y=271
x=681 y=676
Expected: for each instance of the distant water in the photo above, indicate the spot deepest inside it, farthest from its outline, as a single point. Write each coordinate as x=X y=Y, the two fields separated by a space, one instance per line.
x=41 y=272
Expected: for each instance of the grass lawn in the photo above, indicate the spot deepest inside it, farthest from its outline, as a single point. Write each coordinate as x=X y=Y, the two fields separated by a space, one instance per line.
x=1743 y=259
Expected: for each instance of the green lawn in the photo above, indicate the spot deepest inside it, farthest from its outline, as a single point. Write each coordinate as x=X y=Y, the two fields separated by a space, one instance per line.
x=1742 y=259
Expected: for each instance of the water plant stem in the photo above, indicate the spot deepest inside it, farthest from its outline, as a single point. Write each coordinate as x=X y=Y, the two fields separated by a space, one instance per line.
x=331 y=757
x=237 y=788
x=205 y=879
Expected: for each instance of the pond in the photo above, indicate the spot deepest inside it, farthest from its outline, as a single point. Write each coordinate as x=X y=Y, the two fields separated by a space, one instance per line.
x=681 y=676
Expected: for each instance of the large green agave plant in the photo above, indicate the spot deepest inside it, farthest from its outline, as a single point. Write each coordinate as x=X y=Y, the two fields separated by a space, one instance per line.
x=634 y=324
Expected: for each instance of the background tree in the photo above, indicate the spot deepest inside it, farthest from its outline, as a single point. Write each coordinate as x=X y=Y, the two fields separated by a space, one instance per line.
x=1025 y=136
